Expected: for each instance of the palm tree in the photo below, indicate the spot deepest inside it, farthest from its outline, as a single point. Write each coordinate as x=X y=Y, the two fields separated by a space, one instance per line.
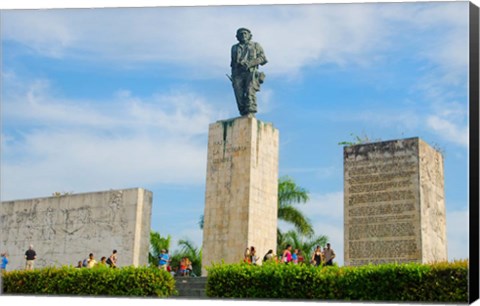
x=289 y=193
x=281 y=241
x=157 y=243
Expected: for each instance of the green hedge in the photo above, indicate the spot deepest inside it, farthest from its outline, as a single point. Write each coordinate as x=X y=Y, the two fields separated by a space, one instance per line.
x=100 y=281
x=442 y=282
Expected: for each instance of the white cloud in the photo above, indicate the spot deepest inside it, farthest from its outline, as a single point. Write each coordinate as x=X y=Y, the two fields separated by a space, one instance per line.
x=328 y=205
x=180 y=112
x=83 y=161
x=33 y=103
x=443 y=81
x=74 y=146
x=293 y=37
x=440 y=31
x=448 y=130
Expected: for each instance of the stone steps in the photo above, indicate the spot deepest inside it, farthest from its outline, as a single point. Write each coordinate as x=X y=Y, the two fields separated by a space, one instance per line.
x=191 y=287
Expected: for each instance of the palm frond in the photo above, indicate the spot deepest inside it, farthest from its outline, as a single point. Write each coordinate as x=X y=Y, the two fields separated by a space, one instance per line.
x=290 y=193
x=295 y=217
x=188 y=247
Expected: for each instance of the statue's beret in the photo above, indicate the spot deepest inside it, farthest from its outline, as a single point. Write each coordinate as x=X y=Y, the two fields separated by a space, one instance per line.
x=243 y=29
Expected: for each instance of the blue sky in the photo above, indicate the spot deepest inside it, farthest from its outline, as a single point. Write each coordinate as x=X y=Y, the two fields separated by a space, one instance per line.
x=99 y=99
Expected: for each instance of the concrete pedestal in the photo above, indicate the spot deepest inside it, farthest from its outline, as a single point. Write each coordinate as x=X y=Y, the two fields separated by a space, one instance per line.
x=241 y=190
x=394 y=203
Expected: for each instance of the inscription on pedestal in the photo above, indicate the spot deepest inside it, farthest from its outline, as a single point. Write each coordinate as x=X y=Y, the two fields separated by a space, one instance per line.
x=225 y=152
x=382 y=205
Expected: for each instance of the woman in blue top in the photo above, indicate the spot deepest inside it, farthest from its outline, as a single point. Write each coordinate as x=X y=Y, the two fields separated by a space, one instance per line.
x=4 y=262
x=163 y=260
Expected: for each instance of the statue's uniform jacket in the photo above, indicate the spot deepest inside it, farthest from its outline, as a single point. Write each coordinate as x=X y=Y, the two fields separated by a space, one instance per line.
x=250 y=52
x=245 y=80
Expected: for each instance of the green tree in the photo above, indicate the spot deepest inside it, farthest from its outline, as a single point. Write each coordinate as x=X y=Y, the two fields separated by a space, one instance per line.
x=289 y=194
x=282 y=241
x=157 y=243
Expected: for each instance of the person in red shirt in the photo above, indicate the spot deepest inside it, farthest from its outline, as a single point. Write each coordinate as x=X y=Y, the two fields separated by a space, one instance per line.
x=301 y=259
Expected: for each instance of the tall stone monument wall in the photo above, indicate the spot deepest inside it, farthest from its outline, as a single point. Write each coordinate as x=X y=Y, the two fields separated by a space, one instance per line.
x=241 y=190
x=394 y=206
x=65 y=229
x=432 y=194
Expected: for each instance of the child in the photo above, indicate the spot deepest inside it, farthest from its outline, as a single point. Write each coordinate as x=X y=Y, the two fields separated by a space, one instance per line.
x=295 y=257
x=183 y=267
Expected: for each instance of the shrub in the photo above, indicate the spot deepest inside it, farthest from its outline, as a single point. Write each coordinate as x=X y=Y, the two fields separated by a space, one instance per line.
x=442 y=282
x=101 y=281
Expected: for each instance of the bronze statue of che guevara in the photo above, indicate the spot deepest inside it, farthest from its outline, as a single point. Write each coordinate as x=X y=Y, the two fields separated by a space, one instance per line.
x=246 y=79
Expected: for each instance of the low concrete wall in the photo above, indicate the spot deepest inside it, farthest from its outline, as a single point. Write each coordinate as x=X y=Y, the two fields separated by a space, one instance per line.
x=65 y=229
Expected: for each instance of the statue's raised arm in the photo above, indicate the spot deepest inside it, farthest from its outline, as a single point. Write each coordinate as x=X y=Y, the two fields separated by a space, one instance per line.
x=246 y=79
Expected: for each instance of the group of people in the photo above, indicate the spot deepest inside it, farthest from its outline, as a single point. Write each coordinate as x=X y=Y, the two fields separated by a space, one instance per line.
x=185 y=267
x=90 y=262
x=250 y=256
x=319 y=257
x=30 y=256
x=323 y=257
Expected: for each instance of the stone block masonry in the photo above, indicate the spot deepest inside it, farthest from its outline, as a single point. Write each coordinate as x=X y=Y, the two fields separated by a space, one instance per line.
x=394 y=203
x=241 y=190
x=65 y=229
